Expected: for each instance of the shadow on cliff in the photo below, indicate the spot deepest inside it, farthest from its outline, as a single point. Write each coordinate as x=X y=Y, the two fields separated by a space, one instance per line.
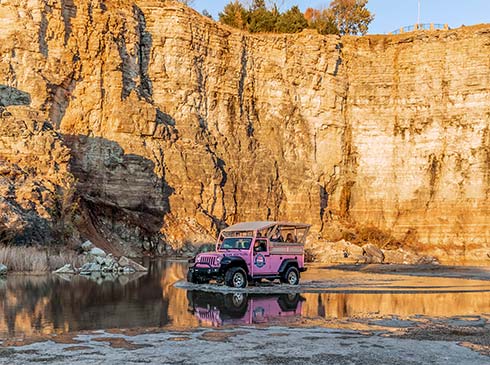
x=122 y=199
x=12 y=96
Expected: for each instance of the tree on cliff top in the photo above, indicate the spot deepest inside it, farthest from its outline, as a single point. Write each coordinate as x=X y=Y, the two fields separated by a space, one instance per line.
x=234 y=15
x=321 y=20
x=260 y=19
x=292 y=21
x=341 y=17
x=351 y=16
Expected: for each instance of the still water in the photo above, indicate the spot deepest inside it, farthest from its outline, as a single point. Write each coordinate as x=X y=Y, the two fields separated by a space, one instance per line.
x=42 y=305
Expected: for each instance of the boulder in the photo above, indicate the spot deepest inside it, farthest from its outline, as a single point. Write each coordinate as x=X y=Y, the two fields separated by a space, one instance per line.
x=67 y=269
x=97 y=252
x=373 y=254
x=400 y=256
x=3 y=269
x=87 y=246
x=125 y=262
x=427 y=260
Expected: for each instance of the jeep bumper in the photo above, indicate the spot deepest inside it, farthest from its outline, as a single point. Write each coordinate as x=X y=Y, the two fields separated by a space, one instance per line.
x=206 y=272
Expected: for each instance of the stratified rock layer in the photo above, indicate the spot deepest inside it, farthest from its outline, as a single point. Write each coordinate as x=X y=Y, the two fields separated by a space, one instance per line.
x=178 y=125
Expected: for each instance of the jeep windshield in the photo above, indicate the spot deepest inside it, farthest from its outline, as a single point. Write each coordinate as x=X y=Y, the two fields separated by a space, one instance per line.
x=236 y=243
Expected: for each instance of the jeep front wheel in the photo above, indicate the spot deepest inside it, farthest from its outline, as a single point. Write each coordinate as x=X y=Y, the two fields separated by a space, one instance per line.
x=291 y=276
x=236 y=277
x=190 y=277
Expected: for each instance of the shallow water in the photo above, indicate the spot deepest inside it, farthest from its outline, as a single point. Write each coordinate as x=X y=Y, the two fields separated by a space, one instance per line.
x=42 y=305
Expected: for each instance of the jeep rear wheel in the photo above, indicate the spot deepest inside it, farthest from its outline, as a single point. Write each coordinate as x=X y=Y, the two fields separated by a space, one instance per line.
x=291 y=276
x=236 y=277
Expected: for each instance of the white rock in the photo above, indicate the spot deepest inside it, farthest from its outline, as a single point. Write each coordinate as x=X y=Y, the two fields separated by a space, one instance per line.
x=3 y=269
x=97 y=252
x=124 y=262
x=67 y=269
x=87 y=246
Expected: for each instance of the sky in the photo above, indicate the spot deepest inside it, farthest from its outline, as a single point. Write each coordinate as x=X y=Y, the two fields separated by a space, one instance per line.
x=393 y=14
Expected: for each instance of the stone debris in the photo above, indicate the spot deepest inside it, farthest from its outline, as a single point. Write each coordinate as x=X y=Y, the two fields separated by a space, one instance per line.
x=98 y=262
x=3 y=269
x=344 y=252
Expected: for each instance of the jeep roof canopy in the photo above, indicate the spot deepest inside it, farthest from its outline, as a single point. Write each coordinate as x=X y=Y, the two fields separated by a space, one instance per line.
x=260 y=225
x=267 y=229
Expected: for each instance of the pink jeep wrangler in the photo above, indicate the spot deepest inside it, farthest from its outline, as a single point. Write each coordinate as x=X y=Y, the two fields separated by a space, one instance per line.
x=253 y=251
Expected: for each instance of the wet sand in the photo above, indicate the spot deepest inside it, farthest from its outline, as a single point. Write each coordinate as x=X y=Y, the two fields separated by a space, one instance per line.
x=272 y=345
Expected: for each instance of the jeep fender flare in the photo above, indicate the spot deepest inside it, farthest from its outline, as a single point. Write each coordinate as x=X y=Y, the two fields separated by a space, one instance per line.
x=233 y=261
x=286 y=263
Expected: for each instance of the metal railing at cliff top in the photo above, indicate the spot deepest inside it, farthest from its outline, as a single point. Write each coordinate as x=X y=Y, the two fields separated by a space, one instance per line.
x=426 y=26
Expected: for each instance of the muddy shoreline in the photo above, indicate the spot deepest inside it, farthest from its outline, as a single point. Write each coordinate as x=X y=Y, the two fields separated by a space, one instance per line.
x=260 y=345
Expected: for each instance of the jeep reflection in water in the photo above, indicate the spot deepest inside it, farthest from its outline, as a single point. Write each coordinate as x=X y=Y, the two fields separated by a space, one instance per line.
x=253 y=251
x=217 y=309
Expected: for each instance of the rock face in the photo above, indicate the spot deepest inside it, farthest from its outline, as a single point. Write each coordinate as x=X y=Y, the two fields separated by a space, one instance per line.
x=178 y=126
x=35 y=183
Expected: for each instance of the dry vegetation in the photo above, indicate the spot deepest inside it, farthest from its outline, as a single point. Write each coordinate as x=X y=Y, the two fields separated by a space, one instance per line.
x=34 y=259
x=362 y=235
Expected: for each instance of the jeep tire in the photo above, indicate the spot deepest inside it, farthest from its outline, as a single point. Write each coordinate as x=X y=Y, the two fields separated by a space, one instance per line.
x=290 y=276
x=236 y=277
x=191 y=278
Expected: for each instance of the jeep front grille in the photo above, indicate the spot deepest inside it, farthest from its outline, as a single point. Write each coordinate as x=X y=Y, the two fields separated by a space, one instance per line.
x=210 y=260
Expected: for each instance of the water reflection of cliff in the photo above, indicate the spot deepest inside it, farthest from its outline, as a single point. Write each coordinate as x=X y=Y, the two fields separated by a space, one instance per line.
x=48 y=304
x=344 y=305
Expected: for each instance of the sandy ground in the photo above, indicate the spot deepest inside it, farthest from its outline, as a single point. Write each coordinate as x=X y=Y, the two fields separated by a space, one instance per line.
x=370 y=279
x=273 y=345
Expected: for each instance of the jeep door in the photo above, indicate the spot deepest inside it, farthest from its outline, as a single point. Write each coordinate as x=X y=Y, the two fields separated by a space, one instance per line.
x=261 y=258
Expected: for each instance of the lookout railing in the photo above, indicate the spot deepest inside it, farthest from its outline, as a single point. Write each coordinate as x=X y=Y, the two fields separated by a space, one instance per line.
x=426 y=26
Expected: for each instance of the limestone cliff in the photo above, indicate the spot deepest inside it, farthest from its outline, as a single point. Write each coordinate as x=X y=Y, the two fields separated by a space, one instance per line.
x=178 y=125
x=36 y=188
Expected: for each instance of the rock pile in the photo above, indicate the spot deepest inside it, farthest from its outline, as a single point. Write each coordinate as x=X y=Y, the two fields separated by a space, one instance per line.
x=98 y=261
x=347 y=253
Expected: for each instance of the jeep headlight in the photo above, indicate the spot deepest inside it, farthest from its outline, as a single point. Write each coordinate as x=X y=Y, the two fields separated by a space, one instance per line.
x=218 y=260
x=198 y=258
